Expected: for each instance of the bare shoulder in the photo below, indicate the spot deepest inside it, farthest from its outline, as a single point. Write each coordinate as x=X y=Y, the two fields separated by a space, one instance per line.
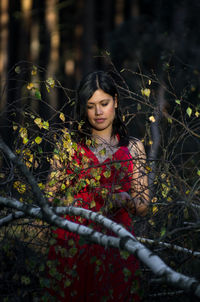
x=136 y=148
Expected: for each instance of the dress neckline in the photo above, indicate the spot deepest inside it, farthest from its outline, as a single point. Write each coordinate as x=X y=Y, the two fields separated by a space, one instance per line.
x=97 y=158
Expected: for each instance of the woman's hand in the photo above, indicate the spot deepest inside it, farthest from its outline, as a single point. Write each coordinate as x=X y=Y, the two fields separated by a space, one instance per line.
x=124 y=200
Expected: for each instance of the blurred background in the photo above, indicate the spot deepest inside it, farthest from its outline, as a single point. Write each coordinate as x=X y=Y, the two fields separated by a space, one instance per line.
x=153 y=49
x=69 y=38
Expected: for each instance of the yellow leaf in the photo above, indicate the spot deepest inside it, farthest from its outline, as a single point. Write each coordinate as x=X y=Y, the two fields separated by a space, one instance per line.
x=41 y=185
x=30 y=86
x=149 y=82
x=92 y=204
x=38 y=122
x=88 y=142
x=33 y=72
x=45 y=125
x=87 y=181
x=150 y=142
x=25 y=140
x=107 y=174
x=146 y=92
x=189 y=111
x=197 y=113
x=38 y=140
x=23 y=132
x=15 y=128
x=152 y=119
x=62 y=117
x=154 y=199
x=20 y=187
x=102 y=152
x=148 y=169
x=50 y=82
x=163 y=175
x=70 y=199
x=63 y=187
x=151 y=222
x=155 y=209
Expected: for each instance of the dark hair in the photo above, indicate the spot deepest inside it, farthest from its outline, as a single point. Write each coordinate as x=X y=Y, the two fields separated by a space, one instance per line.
x=88 y=85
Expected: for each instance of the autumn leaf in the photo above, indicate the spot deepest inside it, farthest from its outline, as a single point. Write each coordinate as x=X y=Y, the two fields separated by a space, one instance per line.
x=20 y=187
x=34 y=70
x=30 y=86
x=62 y=116
x=50 y=82
x=102 y=152
x=146 y=92
x=38 y=122
x=107 y=174
x=17 y=69
x=189 y=111
x=154 y=209
x=152 y=119
x=163 y=231
x=45 y=125
x=92 y=204
x=38 y=140
x=23 y=132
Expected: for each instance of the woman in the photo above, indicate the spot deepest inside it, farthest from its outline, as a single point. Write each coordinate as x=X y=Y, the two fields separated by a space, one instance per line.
x=104 y=172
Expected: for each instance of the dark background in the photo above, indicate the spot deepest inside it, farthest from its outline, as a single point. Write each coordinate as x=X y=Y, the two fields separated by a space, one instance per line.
x=68 y=39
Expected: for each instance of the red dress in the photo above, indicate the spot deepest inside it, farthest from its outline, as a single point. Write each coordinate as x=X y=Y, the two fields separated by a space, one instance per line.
x=86 y=272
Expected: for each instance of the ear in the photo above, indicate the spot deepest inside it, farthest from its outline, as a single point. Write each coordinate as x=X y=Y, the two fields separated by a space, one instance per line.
x=115 y=101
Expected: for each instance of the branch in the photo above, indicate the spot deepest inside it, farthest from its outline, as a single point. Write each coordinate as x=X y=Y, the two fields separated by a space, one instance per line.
x=126 y=241
x=169 y=246
x=11 y=217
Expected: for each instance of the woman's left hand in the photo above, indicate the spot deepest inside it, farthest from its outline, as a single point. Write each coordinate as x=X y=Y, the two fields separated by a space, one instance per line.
x=121 y=199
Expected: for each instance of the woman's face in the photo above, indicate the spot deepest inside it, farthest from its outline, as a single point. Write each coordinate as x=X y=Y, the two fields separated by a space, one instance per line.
x=101 y=110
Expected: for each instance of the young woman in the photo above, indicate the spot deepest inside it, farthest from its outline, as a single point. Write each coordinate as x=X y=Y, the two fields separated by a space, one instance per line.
x=104 y=173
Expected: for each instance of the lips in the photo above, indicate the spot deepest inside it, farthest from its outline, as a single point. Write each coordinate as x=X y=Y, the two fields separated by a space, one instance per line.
x=100 y=120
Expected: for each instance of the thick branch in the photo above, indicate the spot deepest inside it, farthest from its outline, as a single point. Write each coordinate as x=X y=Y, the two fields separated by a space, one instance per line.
x=126 y=241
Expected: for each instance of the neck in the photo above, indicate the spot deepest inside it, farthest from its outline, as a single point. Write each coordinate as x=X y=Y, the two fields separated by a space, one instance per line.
x=103 y=136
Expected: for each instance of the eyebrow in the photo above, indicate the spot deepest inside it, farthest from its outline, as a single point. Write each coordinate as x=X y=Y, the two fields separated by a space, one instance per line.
x=104 y=100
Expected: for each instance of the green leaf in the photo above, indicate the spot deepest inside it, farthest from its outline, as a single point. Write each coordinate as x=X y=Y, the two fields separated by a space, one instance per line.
x=38 y=140
x=124 y=254
x=46 y=125
x=107 y=174
x=38 y=94
x=189 y=111
x=178 y=102
x=163 y=231
x=198 y=172
x=17 y=69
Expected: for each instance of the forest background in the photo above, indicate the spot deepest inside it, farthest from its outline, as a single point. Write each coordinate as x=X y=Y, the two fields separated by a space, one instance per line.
x=152 y=48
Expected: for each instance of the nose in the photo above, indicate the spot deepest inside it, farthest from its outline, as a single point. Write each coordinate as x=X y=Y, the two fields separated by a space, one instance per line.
x=98 y=110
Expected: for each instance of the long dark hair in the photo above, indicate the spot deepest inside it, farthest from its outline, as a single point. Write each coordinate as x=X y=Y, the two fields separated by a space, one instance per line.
x=88 y=85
